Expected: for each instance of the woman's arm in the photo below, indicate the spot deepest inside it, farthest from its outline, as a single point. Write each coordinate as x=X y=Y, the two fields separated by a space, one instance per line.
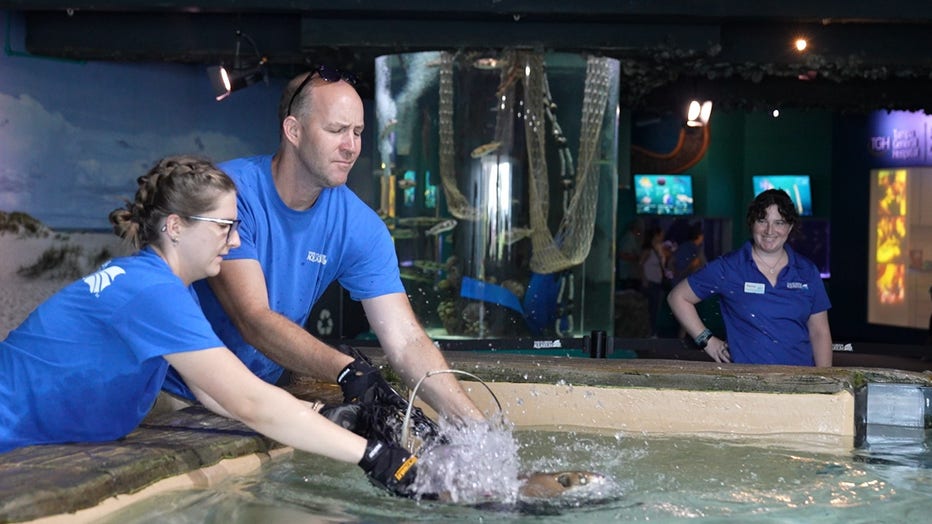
x=682 y=301
x=224 y=385
x=821 y=337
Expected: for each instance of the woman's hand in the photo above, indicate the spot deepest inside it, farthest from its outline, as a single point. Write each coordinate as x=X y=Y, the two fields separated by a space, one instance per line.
x=718 y=350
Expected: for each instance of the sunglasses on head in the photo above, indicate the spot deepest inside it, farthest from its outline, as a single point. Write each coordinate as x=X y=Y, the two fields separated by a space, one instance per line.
x=327 y=74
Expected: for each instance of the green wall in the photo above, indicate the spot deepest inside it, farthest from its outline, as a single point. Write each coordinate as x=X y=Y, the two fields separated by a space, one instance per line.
x=743 y=145
x=747 y=144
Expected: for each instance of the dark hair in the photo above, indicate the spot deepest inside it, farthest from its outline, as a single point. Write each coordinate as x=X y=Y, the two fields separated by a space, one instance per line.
x=758 y=207
x=181 y=185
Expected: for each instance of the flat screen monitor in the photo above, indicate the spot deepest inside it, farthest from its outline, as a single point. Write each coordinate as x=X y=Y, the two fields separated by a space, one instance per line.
x=663 y=194
x=797 y=186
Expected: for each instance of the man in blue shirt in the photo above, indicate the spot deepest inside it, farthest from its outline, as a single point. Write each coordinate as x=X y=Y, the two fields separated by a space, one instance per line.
x=302 y=228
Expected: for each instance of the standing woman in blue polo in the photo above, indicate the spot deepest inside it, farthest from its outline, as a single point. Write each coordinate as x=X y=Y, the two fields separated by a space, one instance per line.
x=773 y=301
x=87 y=364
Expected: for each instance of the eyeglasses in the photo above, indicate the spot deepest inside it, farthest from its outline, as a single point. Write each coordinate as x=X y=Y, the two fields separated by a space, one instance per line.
x=232 y=224
x=328 y=74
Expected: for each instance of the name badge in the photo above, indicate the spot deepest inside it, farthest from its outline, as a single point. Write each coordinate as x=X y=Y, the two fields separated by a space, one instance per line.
x=754 y=287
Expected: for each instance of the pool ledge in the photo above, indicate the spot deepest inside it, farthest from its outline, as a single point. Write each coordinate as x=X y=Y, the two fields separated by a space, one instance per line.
x=657 y=396
x=194 y=448
x=197 y=479
x=191 y=447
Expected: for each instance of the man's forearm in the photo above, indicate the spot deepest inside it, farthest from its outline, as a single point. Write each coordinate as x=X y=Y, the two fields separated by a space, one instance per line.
x=442 y=391
x=293 y=347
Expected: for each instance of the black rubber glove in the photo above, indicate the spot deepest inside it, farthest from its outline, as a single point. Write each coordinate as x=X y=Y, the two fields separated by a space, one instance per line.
x=354 y=417
x=389 y=467
x=362 y=383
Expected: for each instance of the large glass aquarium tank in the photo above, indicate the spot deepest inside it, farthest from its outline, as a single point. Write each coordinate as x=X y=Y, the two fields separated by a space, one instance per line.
x=498 y=181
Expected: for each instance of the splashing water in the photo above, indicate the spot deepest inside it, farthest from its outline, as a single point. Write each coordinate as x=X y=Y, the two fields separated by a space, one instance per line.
x=479 y=463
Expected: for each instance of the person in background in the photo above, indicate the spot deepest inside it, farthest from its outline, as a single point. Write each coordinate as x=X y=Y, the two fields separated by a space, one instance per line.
x=653 y=263
x=628 y=271
x=302 y=229
x=689 y=257
x=88 y=363
x=773 y=301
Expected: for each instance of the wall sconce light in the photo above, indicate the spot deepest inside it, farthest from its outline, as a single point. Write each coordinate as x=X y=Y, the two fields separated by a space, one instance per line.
x=698 y=113
x=225 y=79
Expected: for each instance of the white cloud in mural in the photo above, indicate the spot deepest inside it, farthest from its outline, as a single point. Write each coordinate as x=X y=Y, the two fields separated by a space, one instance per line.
x=70 y=176
x=23 y=151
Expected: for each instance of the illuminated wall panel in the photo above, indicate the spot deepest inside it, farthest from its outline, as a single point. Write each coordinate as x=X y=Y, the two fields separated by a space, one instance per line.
x=900 y=257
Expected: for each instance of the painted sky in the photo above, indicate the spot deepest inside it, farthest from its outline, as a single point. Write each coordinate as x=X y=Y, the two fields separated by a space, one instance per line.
x=75 y=135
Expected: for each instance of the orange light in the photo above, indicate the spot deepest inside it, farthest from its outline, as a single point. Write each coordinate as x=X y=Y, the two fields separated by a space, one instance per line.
x=801 y=44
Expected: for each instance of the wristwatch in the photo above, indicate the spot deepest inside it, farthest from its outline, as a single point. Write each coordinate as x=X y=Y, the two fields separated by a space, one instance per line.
x=702 y=339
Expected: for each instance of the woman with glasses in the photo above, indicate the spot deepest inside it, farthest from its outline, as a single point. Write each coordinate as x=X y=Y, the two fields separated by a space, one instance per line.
x=88 y=364
x=773 y=301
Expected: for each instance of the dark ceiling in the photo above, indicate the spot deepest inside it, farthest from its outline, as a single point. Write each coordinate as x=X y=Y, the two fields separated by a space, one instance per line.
x=862 y=55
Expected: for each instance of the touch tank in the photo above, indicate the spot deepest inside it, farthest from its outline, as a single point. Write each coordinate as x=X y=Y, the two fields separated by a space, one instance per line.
x=498 y=182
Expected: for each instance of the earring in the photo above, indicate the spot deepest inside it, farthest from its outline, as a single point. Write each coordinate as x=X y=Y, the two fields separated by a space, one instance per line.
x=164 y=228
x=174 y=241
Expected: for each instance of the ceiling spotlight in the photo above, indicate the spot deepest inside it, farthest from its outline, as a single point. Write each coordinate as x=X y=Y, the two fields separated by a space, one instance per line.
x=243 y=72
x=801 y=44
x=697 y=115
x=775 y=113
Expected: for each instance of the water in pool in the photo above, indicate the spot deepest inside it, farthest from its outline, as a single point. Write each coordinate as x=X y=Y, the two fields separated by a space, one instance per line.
x=704 y=478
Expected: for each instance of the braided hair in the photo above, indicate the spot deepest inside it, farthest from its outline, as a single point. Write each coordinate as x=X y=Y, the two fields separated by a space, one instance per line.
x=182 y=185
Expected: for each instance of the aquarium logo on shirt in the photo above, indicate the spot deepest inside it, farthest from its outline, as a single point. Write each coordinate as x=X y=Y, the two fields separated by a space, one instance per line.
x=102 y=279
x=797 y=285
x=320 y=258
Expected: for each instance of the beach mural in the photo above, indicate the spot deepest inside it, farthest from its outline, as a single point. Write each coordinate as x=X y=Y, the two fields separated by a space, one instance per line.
x=75 y=135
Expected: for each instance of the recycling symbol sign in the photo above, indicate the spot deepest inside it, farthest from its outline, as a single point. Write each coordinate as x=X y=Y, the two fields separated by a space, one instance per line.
x=325 y=322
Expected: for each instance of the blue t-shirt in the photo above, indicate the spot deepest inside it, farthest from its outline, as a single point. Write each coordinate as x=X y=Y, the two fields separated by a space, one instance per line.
x=301 y=253
x=765 y=324
x=86 y=365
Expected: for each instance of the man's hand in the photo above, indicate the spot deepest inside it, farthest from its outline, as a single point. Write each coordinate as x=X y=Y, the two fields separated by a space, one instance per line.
x=389 y=467
x=362 y=383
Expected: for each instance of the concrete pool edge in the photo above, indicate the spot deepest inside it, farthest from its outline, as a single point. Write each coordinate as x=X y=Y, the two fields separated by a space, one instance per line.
x=41 y=481
x=647 y=395
x=656 y=396
x=198 y=479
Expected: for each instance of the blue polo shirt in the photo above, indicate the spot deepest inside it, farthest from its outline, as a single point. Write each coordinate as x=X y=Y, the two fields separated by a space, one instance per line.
x=765 y=324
